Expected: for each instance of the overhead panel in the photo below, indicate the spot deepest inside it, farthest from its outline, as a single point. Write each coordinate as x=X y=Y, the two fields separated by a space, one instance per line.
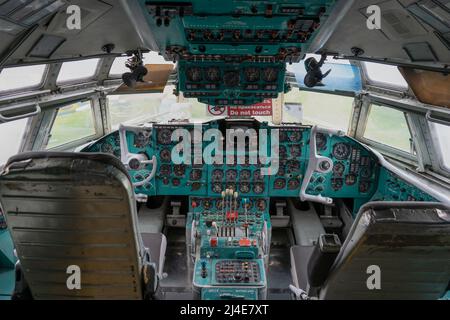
x=234 y=52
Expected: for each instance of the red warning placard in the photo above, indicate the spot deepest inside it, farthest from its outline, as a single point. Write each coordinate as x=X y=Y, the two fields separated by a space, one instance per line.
x=258 y=109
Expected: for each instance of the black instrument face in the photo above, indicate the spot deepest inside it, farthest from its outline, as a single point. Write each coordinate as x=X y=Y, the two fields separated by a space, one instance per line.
x=244 y=187
x=295 y=136
x=338 y=169
x=231 y=79
x=217 y=187
x=270 y=74
x=179 y=170
x=258 y=188
x=212 y=74
x=165 y=170
x=341 y=151
x=142 y=139
x=217 y=175
x=293 y=184
x=279 y=183
x=194 y=74
x=165 y=155
x=231 y=175
x=196 y=174
x=261 y=204
x=164 y=136
x=252 y=74
x=245 y=175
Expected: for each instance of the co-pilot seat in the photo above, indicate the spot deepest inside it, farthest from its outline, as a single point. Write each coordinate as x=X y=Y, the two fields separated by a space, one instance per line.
x=77 y=210
x=393 y=251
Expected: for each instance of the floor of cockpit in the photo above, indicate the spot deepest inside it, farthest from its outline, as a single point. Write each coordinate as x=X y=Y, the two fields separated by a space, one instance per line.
x=178 y=283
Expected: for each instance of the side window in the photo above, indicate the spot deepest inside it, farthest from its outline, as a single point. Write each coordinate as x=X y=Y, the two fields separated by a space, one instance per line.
x=73 y=122
x=389 y=127
x=326 y=110
x=12 y=134
x=441 y=143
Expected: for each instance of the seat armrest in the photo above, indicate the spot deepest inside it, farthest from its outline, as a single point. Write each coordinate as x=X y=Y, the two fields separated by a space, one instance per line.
x=322 y=258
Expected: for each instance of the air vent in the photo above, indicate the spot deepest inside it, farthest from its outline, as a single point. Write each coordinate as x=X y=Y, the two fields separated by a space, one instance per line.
x=45 y=46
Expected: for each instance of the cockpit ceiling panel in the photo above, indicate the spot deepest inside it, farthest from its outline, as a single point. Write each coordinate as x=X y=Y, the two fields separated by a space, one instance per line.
x=399 y=28
x=234 y=52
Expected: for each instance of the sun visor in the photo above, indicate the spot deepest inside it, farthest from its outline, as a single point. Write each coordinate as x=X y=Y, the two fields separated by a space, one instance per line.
x=342 y=78
x=155 y=80
x=428 y=86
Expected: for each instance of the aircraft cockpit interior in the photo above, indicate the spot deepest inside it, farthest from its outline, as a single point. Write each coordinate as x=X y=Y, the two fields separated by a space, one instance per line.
x=224 y=150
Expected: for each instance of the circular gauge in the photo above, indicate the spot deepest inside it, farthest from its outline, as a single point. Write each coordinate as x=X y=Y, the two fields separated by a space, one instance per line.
x=164 y=170
x=138 y=177
x=279 y=183
x=295 y=136
x=261 y=204
x=366 y=172
x=341 y=151
x=179 y=170
x=231 y=186
x=134 y=164
x=176 y=182
x=321 y=141
x=217 y=175
x=244 y=187
x=165 y=155
x=107 y=148
x=258 y=188
x=364 y=186
x=338 y=169
x=217 y=187
x=212 y=74
x=164 y=136
x=206 y=204
x=231 y=79
x=283 y=136
x=270 y=74
x=245 y=175
x=293 y=184
x=350 y=179
x=296 y=151
x=248 y=204
x=219 y=205
x=231 y=175
x=282 y=152
x=293 y=165
x=257 y=175
x=251 y=74
x=196 y=174
x=117 y=153
x=116 y=139
x=337 y=183
x=194 y=74
x=141 y=139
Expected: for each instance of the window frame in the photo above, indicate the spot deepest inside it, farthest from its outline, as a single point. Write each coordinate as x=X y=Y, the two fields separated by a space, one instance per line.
x=439 y=166
x=71 y=145
x=368 y=82
x=390 y=151
x=93 y=77
x=36 y=87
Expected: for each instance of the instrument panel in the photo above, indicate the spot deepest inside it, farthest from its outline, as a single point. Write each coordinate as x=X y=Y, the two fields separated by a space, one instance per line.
x=355 y=174
x=234 y=52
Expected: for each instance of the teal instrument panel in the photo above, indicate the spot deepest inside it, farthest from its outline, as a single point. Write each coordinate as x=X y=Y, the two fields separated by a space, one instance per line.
x=356 y=172
x=230 y=51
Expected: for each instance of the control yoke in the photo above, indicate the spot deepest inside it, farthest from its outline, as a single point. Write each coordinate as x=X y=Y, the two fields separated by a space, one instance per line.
x=135 y=161
x=317 y=163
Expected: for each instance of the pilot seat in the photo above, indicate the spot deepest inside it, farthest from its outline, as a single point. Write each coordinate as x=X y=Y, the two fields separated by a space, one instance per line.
x=406 y=245
x=77 y=211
